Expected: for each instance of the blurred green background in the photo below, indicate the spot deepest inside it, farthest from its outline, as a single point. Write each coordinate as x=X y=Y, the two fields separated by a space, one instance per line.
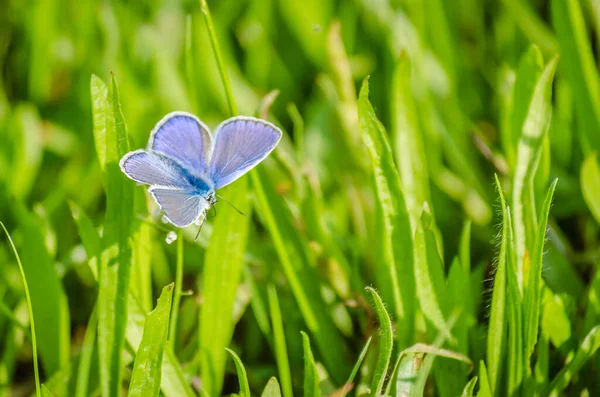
x=464 y=88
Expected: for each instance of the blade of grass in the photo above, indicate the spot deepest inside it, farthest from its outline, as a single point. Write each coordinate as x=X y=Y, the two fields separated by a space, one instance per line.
x=85 y=357
x=350 y=382
x=46 y=392
x=223 y=264
x=311 y=376
x=241 y=373
x=30 y=310
x=469 y=389
x=272 y=389
x=408 y=370
x=535 y=128
x=394 y=239
x=590 y=184
x=532 y=25
x=584 y=352
x=533 y=292
x=145 y=378
x=484 y=384
x=177 y=292
x=579 y=68
x=386 y=344
x=279 y=343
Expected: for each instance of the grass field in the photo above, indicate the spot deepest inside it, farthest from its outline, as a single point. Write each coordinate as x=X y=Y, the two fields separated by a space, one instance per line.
x=430 y=230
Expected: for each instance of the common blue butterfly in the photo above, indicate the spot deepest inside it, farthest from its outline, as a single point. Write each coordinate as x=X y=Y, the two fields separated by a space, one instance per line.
x=184 y=165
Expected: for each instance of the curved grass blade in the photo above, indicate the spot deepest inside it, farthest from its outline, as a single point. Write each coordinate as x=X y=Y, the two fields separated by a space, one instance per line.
x=281 y=355
x=145 y=379
x=408 y=370
x=223 y=266
x=584 y=352
x=533 y=293
x=394 y=237
x=85 y=357
x=30 y=310
x=590 y=184
x=535 y=128
x=385 y=346
x=311 y=376
x=469 y=389
x=350 y=382
x=579 y=67
x=272 y=389
x=241 y=373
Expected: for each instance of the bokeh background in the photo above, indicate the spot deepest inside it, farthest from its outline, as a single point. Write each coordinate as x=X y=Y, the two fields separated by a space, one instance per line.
x=452 y=76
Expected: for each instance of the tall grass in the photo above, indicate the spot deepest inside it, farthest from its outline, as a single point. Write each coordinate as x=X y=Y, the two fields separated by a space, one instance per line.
x=428 y=224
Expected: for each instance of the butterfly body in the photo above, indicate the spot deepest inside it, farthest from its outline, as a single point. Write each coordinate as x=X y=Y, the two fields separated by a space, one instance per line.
x=184 y=165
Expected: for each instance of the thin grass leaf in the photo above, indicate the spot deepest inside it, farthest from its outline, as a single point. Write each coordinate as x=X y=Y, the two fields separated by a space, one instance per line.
x=469 y=389
x=281 y=354
x=241 y=373
x=532 y=25
x=146 y=375
x=85 y=357
x=590 y=184
x=535 y=128
x=484 y=384
x=514 y=353
x=350 y=382
x=408 y=370
x=584 y=352
x=533 y=293
x=46 y=392
x=300 y=272
x=36 y=370
x=222 y=272
x=272 y=389
x=496 y=337
x=579 y=68
x=89 y=237
x=173 y=382
x=408 y=142
x=311 y=376
x=48 y=298
x=394 y=242
x=177 y=291
x=386 y=344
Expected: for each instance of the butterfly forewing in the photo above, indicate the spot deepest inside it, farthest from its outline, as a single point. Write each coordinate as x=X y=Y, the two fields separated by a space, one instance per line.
x=154 y=169
x=240 y=143
x=182 y=137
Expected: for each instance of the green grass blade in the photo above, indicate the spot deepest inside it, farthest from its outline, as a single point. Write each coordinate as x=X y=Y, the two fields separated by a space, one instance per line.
x=533 y=293
x=496 y=337
x=394 y=242
x=145 y=379
x=469 y=389
x=584 y=352
x=46 y=392
x=484 y=384
x=100 y=110
x=177 y=291
x=241 y=373
x=300 y=273
x=579 y=68
x=48 y=298
x=535 y=128
x=311 y=376
x=408 y=370
x=30 y=310
x=386 y=344
x=408 y=142
x=272 y=389
x=350 y=382
x=281 y=354
x=222 y=272
x=429 y=275
x=173 y=382
x=590 y=184
x=89 y=237
x=85 y=357
x=532 y=25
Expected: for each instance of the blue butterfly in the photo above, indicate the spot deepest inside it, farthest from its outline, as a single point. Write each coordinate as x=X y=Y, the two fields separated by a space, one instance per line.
x=184 y=165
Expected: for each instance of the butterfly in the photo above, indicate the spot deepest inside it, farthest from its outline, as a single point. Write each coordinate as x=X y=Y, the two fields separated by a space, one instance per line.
x=184 y=165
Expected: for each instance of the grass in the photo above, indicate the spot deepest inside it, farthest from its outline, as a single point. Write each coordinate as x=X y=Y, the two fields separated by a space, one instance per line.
x=428 y=224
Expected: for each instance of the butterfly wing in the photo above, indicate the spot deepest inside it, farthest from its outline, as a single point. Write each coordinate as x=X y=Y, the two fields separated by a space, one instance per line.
x=154 y=169
x=182 y=207
x=240 y=143
x=183 y=137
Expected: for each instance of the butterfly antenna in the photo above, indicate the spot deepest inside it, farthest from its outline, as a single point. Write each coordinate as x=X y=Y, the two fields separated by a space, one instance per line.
x=232 y=206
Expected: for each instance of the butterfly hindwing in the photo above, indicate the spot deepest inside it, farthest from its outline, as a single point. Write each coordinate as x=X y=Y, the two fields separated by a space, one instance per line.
x=183 y=137
x=182 y=207
x=240 y=143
